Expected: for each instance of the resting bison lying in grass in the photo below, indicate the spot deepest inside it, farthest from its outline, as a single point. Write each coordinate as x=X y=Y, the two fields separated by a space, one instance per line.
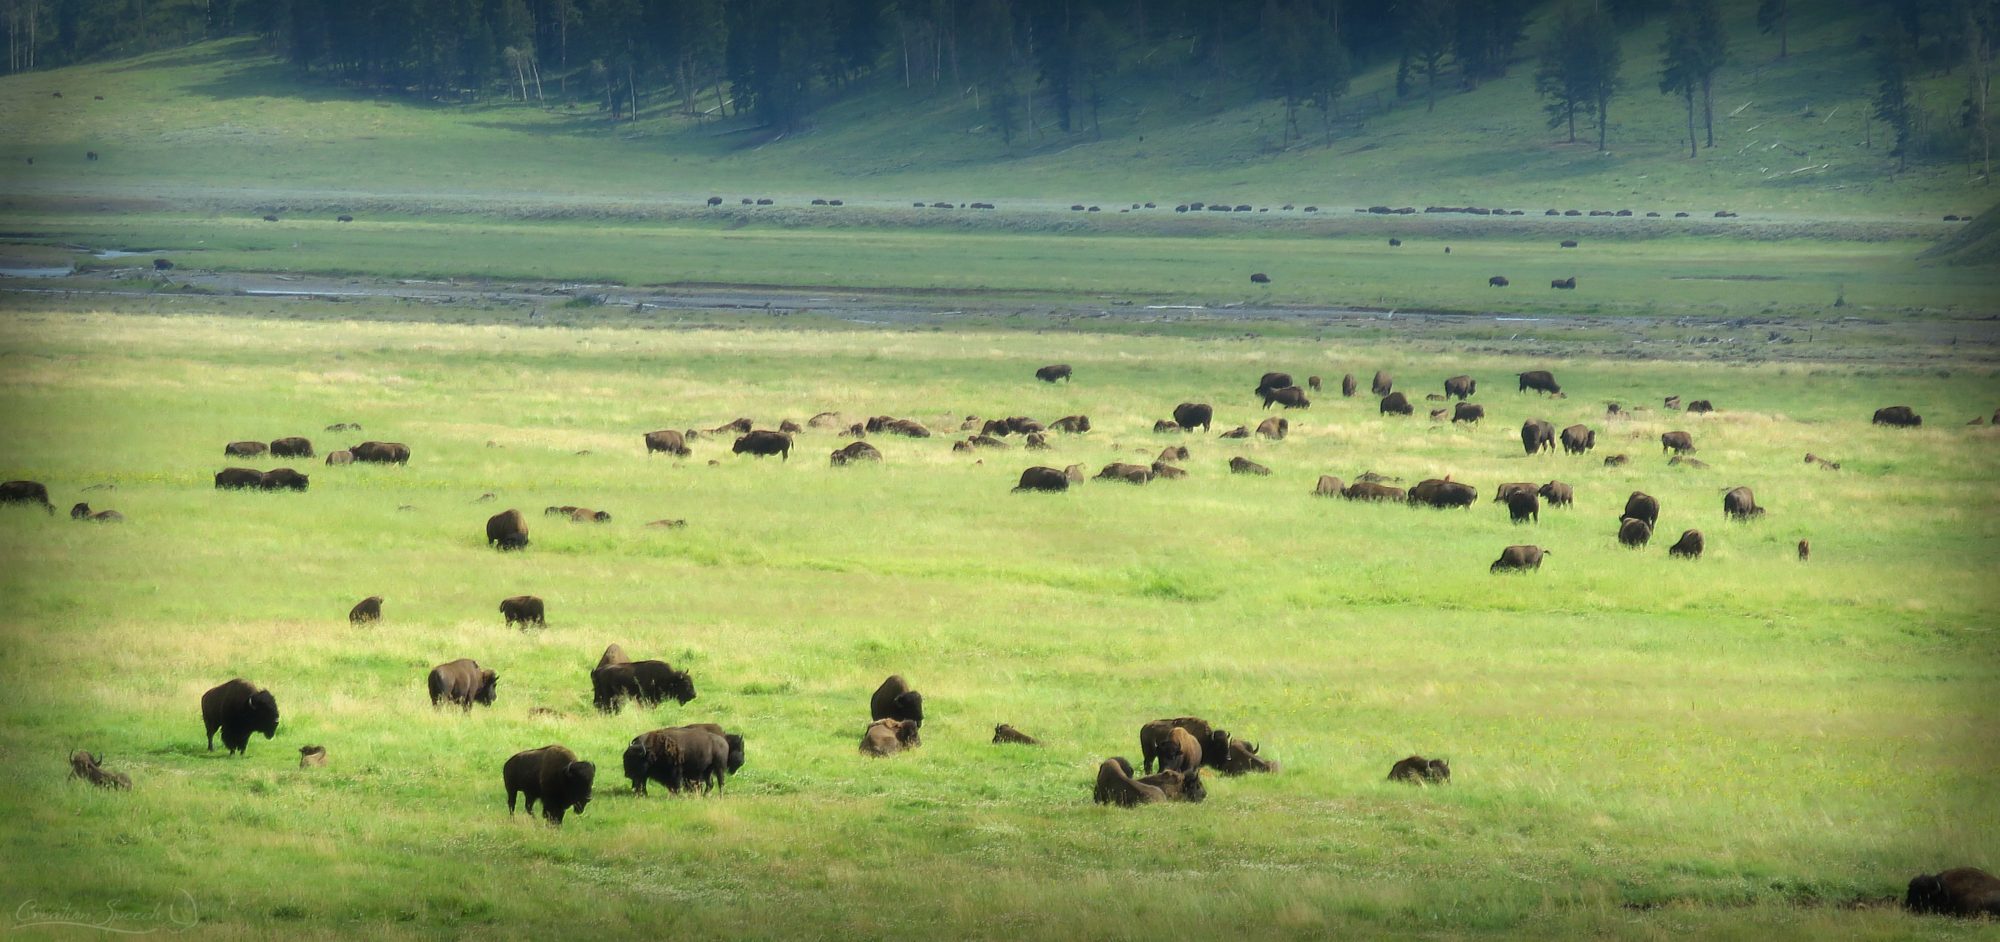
x=1443 y=494
x=83 y=512
x=552 y=775
x=1128 y=473
x=1071 y=424
x=1004 y=733
x=1242 y=758
x=238 y=708
x=1049 y=479
x=1242 y=465
x=1515 y=558
x=91 y=769
x=1418 y=770
x=895 y=700
x=462 y=682
x=1961 y=891
x=885 y=738
x=1115 y=785
x=1370 y=490
x=854 y=451
x=245 y=449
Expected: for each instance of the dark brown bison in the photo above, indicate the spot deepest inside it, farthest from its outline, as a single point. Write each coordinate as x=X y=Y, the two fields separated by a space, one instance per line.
x=1396 y=403
x=1313 y=383
x=1370 y=490
x=1022 y=425
x=1382 y=385
x=1538 y=435
x=1193 y=415
x=1740 y=504
x=1418 y=770
x=523 y=610
x=854 y=451
x=1518 y=557
x=764 y=442
x=1115 y=785
x=1461 y=386
x=1634 y=532
x=1043 y=479
x=245 y=449
x=1128 y=473
x=1240 y=757
x=885 y=738
x=1468 y=412
x=1680 y=442
x=1564 y=284
x=1522 y=508
x=896 y=700
x=1051 y=373
x=382 y=452
x=552 y=775
x=368 y=609
x=1274 y=428
x=238 y=708
x=698 y=755
x=1259 y=278
x=34 y=492
x=669 y=441
x=1174 y=453
x=741 y=425
x=1004 y=733
x=1539 y=381
x=1642 y=506
x=1070 y=425
x=1578 y=439
x=1328 y=486
x=1556 y=493
x=1509 y=489
x=1497 y=281
x=647 y=683
x=227 y=478
x=462 y=682
x=1805 y=550
x=1615 y=461
x=1290 y=397
x=293 y=447
x=1689 y=545
x=339 y=456
x=1166 y=472
x=1700 y=407
x=1961 y=891
x=1443 y=493
x=283 y=479
x=507 y=530
x=1242 y=465
x=1273 y=380
x=1348 y=385
x=1899 y=416
x=1166 y=425
x=1157 y=741
x=91 y=769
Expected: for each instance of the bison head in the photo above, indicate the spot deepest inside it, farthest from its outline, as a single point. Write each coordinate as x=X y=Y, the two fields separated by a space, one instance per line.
x=1437 y=770
x=1926 y=895
x=579 y=776
x=910 y=707
x=263 y=713
x=1191 y=787
x=680 y=685
x=489 y=681
x=735 y=751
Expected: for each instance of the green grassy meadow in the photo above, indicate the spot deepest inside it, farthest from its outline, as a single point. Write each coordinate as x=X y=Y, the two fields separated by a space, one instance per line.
x=1742 y=746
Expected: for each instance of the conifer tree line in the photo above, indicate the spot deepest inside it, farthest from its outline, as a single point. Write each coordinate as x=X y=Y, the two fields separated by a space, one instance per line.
x=1041 y=68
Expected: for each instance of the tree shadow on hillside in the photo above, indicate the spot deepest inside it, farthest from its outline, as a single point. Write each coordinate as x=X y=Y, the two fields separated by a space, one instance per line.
x=274 y=79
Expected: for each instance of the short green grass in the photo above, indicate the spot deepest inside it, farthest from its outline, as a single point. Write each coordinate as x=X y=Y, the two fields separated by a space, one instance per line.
x=1738 y=747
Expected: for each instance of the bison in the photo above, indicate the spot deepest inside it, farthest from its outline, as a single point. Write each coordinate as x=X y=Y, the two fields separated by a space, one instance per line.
x=1563 y=284
x=312 y=757
x=647 y=683
x=1053 y=372
x=1515 y=558
x=1538 y=380
x=1070 y=425
x=1538 y=435
x=1242 y=465
x=1497 y=281
x=238 y=708
x=1273 y=380
x=1128 y=473
x=523 y=610
x=1524 y=507
x=764 y=442
x=1176 y=785
x=1004 y=733
x=1740 y=504
x=1192 y=415
x=1689 y=545
x=34 y=492
x=1680 y=442
x=382 y=452
x=1274 y=428
x=339 y=457
x=1259 y=278
x=698 y=755
x=1899 y=416
x=1634 y=532
x=885 y=738
x=1700 y=407
x=1556 y=493
x=462 y=682
x=225 y=478
x=244 y=449
x=284 y=479
x=613 y=654
x=1509 y=489
x=1241 y=431
x=1396 y=403
x=1578 y=439
x=1461 y=386
x=1370 y=490
x=669 y=441
x=1468 y=412
x=552 y=775
x=1156 y=741
x=1043 y=479
x=1418 y=770
x=1443 y=493
x=1616 y=461
x=91 y=769
x=1313 y=383
x=1382 y=384
x=1961 y=891
x=368 y=609
x=1642 y=506
x=1242 y=757
x=1328 y=486
x=1290 y=397
x=1115 y=785
x=293 y=447
x=1174 y=453
x=507 y=530
x=854 y=451
x=1166 y=472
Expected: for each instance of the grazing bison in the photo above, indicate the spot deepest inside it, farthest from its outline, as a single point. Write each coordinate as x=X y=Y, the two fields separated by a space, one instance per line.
x=1616 y=461
x=1328 y=486
x=1274 y=428
x=382 y=452
x=855 y=451
x=1259 y=278
x=1538 y=380
x=1568 y=243
x=1053 y=372
x=1157 y=741
x=1564 y=284
x=227 y=478
x=523 y=610
x=462 y=682
x=1680 y=442
x=764 y=442
x=895 y=700
x=1642 y=506
x=507 y=529
x=1556 y=493
x=1071 y=425
x=1115 y=785
x=552 y=775
x=91 y=769
x=824 y=420
x=1578 y=439
x=1700 y=407
x=244 y=449
x=1129 y=473
x=1192 y=415
x=1672 y=402
x=1003 y=733
x=1497 y=281
x=1538 y=435
x=1242 y=465
x=368 y=609
x=1370 y=490
x=1348 y=385
x=1290 y=397
x=1313 y=383
x=1443 y=493
x=1418 y=770
x=339 y=457
x=1962 y=891
x=1515 y=558
x=1382 y=384
x=1524 y=508
x=683 y=757
x=1461 y=386
x=1273 y=380
x=1509 y=489
x=1166 y=425
x=238 y=708
x=283 y=479
x=1899 y=416
x=1740 y=504
x=1043 y=479
x=1396 y=403
x=885 y=738
x=1689 y=545
x=647 y=683
x=669 y=441
x=1468 y=412
x=293 y=447
x=1166 y=472
x=1634 y=532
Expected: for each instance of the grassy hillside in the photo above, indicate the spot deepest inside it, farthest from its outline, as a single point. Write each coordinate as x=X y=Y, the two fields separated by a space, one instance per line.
x=221 y=120
x=1740 y=746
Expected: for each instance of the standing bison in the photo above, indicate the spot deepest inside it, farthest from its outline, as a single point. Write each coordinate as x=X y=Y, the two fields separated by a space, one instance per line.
x=1642 y=506
x=339 y=457
x=1348 y=386
x=1313 y=383
x=34 y=492
x=462 y=682
x=224 y=479
x=647 y=683
x=1396 y=403
x=1460 y=386
x=1634 y=532
x=1740 y=504
x=523 y=610
x=382 y=452
x=1540 y=381
x=1681 y=443
x=238 y=708
x=1273 y=381
x=669 y=441
x=1689 y=546
x=1523 y=508
x=1443 y=493
x=282 y=479
x=1538 y=435
x=1556 y=493
x=1382 y=384
x=1274 y=428
x=1192 y=415
x=1328 y=486
x=764 y=442
x=507 y=529
x=1899 y=416
x=293 y=447
x=1051 y=373
x=368 y=609
x=1157 y=741
x=1516 y=558
x=1578 y=439
x=552 y=775
x=1468 y=412
x=1290 y=397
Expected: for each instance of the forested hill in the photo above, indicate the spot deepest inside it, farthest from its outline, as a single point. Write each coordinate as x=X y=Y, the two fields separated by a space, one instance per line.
x=1790 y=102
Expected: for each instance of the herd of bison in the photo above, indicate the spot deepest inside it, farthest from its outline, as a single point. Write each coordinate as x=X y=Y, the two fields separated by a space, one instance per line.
x=1175 y=752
